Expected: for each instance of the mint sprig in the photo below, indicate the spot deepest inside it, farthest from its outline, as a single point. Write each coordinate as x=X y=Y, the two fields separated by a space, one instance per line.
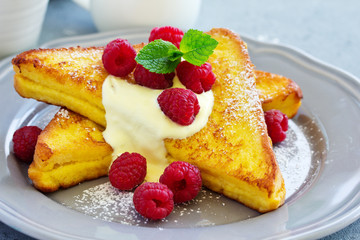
x=161 y=56
x=197 y=46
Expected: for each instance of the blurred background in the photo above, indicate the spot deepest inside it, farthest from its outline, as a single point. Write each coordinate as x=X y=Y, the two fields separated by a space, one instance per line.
x=327 y=30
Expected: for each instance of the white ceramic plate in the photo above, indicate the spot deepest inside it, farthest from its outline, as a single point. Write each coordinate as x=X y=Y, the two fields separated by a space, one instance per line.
x=321 y=165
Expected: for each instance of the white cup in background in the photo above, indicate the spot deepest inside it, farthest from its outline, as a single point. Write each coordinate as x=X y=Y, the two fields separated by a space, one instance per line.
x=20 y=24
x=116 y=14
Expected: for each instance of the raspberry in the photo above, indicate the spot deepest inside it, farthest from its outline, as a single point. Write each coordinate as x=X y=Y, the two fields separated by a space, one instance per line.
x=167 y=33
x=152 y=80
x=183 y=179
x=180 y=105
x=24 y=140
x=277 y=125
x=119 y=58
x=153 y=200
x=127 y=171
x=197 y=78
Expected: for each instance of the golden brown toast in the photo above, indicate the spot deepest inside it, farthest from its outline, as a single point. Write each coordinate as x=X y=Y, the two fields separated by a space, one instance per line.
x=70 y=150
x=70 y=77
x=278 y=92
x=233 y=151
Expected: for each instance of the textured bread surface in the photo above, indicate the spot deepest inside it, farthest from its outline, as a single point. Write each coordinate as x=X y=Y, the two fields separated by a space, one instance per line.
x=278 y=92
x=233 y=151
x=70 y=150
x=69 y=77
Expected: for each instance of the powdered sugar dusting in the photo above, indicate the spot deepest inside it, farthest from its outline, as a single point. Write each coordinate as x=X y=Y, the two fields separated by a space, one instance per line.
x=84 y=66
x=63 y=114
x=294 y=158
x=107 y=203
x=247 y=104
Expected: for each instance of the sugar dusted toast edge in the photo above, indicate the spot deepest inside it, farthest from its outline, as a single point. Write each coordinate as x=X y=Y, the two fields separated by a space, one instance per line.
x=69 y=76
x=278 y=92
x=70 y=150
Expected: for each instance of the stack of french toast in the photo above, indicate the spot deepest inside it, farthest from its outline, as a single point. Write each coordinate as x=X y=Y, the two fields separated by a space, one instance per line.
x=233 y=151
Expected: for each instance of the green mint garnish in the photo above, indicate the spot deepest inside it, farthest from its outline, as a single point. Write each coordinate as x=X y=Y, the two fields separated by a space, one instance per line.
x=197 y=46
x=159 y=56
x=163 y=57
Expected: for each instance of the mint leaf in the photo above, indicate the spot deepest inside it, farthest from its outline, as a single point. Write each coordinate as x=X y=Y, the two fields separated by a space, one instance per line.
x=175 y=55
x=159 y=56
x=162 y=56
x=197 y=46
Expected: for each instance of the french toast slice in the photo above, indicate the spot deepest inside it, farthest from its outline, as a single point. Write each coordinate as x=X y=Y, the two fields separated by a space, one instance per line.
x=278 y=92
x=70 y=77
x=70 y=150
x=233 y=151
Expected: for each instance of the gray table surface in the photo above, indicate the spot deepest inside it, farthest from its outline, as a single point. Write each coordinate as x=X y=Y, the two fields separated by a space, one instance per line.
x=328 y=30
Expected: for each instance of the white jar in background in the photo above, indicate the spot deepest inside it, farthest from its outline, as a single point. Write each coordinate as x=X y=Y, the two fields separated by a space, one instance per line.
x=20 y=24
x=116 y=14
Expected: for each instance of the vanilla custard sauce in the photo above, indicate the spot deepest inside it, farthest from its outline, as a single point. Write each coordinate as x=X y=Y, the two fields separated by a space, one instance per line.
x=135 y=122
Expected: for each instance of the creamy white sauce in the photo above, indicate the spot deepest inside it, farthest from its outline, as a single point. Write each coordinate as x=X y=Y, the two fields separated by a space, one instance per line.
x=135 y=122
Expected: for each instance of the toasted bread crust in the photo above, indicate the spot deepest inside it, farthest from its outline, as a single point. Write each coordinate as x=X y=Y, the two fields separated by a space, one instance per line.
x=70 y=77
x=70 y=150
x=278 y=92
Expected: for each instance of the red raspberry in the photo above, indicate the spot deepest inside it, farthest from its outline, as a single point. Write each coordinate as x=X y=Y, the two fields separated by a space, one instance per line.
x=277 y=125
x=197 y=78
x=24 y=140
x=119 y=58
x=167 y=33
x=152 y=80
x=153 y=200
x=183 y=179
x=180 y=105
x=127 y=171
